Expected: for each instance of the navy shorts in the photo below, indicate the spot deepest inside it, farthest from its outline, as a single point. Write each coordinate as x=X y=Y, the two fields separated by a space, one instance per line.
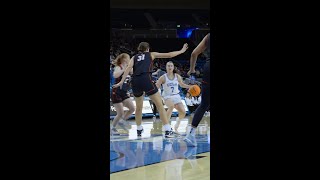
x=143 y=83
x=118 y=95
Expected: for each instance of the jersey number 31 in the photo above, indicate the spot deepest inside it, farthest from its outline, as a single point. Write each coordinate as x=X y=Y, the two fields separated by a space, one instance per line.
x=140 y=58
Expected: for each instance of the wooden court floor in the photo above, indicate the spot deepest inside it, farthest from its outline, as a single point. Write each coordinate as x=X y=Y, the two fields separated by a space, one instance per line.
x=154 y=157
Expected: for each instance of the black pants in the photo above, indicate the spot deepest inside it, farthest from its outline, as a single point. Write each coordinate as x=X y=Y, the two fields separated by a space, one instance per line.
x=205 y=96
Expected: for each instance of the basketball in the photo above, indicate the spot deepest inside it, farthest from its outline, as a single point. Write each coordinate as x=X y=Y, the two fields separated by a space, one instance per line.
x=194 y=90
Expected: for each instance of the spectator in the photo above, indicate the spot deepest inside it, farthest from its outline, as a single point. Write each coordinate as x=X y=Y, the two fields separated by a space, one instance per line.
x=190 y=102
x=196 y=102
x=199 y=99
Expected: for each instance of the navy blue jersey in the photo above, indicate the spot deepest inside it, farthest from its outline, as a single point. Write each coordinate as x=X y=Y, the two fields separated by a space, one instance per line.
x=142 y=63
x=126 y=82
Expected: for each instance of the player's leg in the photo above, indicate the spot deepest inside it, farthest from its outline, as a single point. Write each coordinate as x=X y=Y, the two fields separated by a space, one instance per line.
x=156 y=98
x=205 y=103
x=169 y=103
x=138 y=113
x=119 y=110
x=129 y=104
x=182 y=115
x=138 y=96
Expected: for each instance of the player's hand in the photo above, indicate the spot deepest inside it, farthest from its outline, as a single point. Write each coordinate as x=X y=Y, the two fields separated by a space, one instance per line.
x=191 y=71
x=118 y=85
x=184 y=48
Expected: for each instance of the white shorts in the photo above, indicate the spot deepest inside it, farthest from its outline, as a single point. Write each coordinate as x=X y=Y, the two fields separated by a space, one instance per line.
x=176 y=99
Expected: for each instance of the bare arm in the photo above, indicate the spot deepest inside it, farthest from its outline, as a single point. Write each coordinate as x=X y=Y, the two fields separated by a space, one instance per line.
x=181 y=83
x=160 y=81
x=117 y=72
x=126 y=72
x=172 y=54
x=195 y=53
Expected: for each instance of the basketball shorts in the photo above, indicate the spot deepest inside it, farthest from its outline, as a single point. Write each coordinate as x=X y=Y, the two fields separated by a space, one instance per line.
x=176 y=99
x=118 y=95
x=143 y=83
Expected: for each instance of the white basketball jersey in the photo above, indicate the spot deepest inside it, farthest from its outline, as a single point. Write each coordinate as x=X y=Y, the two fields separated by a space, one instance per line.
x=170 y=87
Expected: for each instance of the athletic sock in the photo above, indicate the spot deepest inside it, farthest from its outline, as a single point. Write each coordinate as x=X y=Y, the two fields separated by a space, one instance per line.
x=139 y=127
x=167 y=127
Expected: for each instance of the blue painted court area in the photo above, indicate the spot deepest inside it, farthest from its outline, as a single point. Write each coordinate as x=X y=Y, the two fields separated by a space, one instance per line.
x=128 y=154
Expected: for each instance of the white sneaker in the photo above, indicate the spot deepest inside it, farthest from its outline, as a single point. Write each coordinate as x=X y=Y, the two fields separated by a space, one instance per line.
x=169 y=134
x=114 y=131
x=123 y=124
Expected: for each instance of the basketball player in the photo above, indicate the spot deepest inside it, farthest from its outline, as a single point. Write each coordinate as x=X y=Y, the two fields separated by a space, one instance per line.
x=142 y=82
x=170 y=82
x=205 y=95
x=119 y=96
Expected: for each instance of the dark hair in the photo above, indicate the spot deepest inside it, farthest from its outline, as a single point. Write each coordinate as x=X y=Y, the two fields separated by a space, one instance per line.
x=143 y=46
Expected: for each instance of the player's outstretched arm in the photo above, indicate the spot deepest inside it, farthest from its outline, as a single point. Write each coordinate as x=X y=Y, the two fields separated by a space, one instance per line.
x=181 y=83
x=195 y=53
x=172 y=54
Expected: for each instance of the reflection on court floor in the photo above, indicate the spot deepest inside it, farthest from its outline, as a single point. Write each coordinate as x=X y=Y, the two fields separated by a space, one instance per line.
x=130 y=154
